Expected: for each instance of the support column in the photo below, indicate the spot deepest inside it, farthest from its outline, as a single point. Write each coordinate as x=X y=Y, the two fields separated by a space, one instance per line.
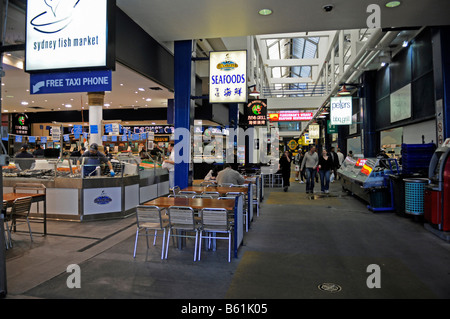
x=95 y=102
x=184 y=111
x=367 y=92
x=441 y=68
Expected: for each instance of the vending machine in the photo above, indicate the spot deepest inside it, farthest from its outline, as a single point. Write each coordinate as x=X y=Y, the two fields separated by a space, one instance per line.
x=437 y=193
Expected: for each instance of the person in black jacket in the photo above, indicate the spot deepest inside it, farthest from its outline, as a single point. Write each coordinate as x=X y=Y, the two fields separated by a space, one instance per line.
x=335 y=159
x=285 y=167
x=325 y=167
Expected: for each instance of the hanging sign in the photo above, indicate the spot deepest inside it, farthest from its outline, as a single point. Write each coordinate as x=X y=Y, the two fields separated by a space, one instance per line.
x=81 y=81
x=256 y=113
x=68 y=34
x=341 y=110
x=289 y=116
x=314 y=131
x=228 y=77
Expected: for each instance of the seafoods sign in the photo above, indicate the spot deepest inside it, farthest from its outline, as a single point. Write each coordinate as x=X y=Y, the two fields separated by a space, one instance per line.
x=228 y=77
x=63 y=34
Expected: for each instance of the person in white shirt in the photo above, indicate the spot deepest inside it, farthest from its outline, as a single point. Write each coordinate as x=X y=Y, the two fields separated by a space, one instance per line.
x=170 y=164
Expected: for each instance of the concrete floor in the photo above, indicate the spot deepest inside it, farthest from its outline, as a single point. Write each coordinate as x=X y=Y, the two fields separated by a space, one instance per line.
x=298 y=243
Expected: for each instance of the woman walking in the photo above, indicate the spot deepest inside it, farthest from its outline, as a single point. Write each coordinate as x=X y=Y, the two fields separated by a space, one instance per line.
x=325 y=167
x=285 y=166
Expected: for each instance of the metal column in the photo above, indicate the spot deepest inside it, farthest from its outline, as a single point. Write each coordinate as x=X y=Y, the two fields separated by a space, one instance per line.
x=184 y=108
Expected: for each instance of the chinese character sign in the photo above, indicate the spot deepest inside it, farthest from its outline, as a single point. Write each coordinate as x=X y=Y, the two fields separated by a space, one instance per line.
x=341 y=110
x=228 y=77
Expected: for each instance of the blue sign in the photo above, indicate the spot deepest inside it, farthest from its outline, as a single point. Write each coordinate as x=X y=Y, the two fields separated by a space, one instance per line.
x=43 y=139
x=32 y=139
x=94 y=129
x=81 y=81
x=77 y=129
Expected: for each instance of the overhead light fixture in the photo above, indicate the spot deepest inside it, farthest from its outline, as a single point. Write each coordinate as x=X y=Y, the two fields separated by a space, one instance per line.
x=24 y=103
x=68 y=105
x=383 y=64
x=343 y=91
x=405 y=44
x=254 y=92
x=265 y=12
x=392 y=4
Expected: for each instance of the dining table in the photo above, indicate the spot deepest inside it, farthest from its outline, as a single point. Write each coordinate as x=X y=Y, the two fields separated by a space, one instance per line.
x=233 y=206
x=9 y=199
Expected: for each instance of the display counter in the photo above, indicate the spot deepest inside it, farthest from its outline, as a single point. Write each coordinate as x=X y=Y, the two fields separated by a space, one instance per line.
x=361 y=176
x=72 y=194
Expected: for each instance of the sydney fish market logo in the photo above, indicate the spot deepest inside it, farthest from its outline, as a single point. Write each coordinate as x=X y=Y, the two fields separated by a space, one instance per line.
x=59 y=17
x=227 y=65
x=103 y=199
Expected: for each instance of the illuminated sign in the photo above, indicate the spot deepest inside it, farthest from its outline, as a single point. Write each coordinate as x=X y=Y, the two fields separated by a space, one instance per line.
x=256 y=112
x=228 y=77
x=341 y=110
x=366 y=170
x=360 y=162
x=20 y=125
x=282 y=116
x=63 y=34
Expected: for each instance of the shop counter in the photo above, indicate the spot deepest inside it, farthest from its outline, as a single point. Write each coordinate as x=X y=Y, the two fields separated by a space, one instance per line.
x=77 y=198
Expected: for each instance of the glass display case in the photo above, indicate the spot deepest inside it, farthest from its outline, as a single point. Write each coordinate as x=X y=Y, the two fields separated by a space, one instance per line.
x=77 y=189
x=360 y=175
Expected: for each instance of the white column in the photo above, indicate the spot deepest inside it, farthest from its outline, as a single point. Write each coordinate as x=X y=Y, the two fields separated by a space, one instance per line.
x=96 y=116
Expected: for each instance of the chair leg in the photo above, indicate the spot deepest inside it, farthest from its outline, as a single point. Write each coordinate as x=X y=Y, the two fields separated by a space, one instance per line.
x=135 y=242
x=167 y=246
x=163 y=242
x=146 y=237
x=229 y=246
x=29 y=229
x=200 y=245
x=154 y=239
x=195 y=249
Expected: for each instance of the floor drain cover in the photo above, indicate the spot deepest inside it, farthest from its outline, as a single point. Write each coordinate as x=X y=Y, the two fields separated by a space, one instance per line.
x=329 y=287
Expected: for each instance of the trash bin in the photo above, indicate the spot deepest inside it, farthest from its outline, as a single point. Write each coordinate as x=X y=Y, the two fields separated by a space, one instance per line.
x=380 y=197
x=414 y=195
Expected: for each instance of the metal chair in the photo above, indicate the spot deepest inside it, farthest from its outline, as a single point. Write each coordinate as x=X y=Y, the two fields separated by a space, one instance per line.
x=6 y=227
x=226 y=185
x=212 y=194
x=244 y=208
x=181 y=218
x=175 y=190
x=187 y=193
x=30 y=187
x=202 y=196
x=215 y=220
x=21 y=210
x=150 y=218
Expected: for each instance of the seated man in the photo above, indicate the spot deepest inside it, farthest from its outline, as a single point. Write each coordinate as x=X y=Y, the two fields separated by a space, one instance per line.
x=229 y=176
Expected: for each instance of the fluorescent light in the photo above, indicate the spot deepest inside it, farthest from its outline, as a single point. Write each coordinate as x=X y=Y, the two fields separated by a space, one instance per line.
x=393 y=4
x=24 y=103
x=383 y=63
x=68 y=105
x=148 y=100
x=141 y=89
x=265 y=12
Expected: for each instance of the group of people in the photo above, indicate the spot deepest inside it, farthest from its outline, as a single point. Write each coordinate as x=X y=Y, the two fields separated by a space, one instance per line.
x=308 y=164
